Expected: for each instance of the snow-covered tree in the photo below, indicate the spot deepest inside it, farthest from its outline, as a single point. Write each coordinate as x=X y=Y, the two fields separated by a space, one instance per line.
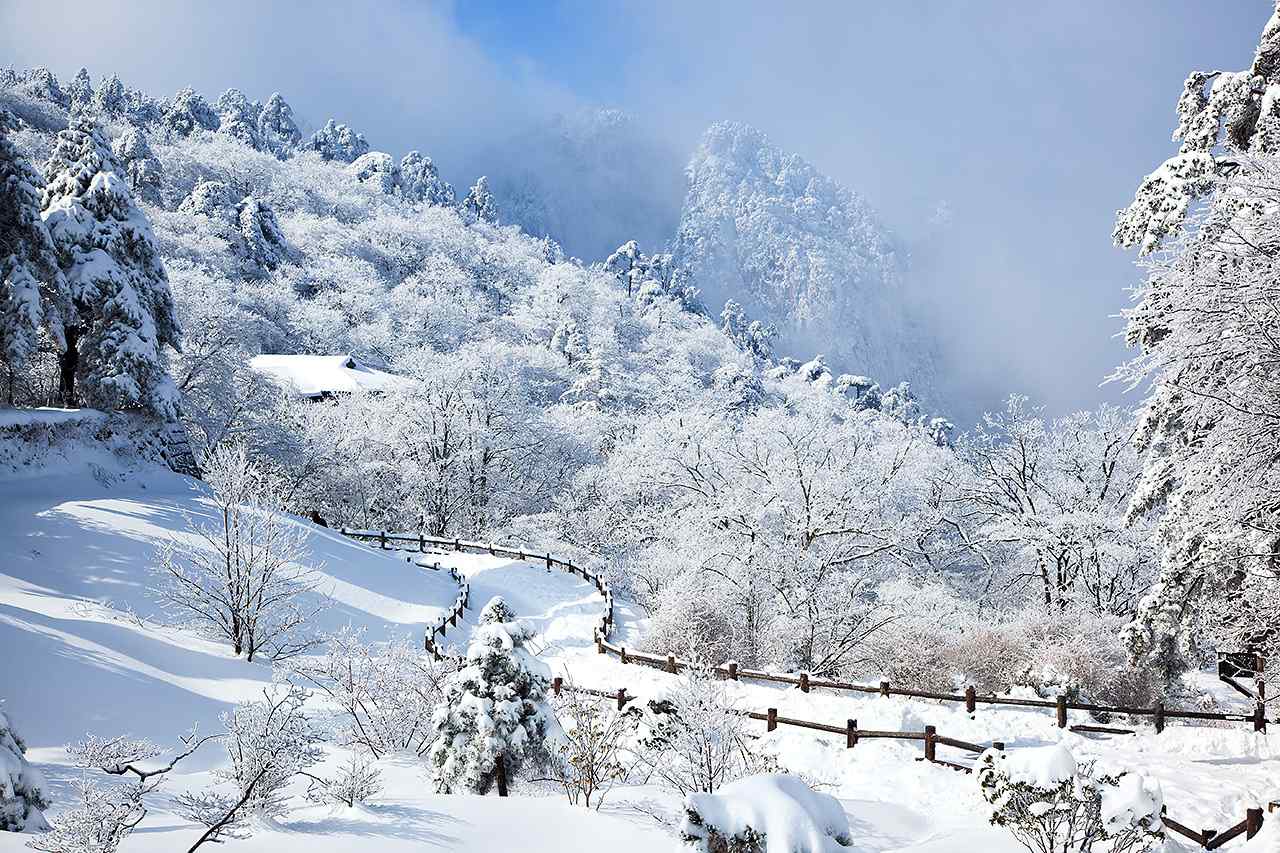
x=241 y=577
x=269 y=741
x=142 y=167
x=22 y=788
x=1224 y=117
x=421 y=181
x=386 y=692
x=80 y=90
x=694 y=738
x=480 y=203
x=378 y=169
x=351 y=783
x=187 y=113
x=338 y=142
x=238 y=118
x=110 y=99
x=1206 y=432
x=494 y=719
x=123 y=310
x=592 y=756
x=32 y=289
x=277 y=130
x=264 y=243
x=42 y=83
x=99 y=819
x=751 y=336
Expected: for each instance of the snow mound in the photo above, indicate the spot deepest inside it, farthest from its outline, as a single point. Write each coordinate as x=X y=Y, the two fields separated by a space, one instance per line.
x=784 y=811
x=1040 y=766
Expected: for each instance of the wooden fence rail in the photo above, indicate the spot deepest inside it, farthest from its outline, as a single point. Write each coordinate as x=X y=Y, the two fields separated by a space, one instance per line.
x=970 y=697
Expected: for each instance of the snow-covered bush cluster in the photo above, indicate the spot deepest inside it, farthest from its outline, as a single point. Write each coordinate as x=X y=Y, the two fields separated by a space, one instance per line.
x=763 y=814
x=1051 y=803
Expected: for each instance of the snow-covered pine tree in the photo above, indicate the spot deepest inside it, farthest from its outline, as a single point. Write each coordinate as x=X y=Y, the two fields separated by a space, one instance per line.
x=1207 y=431
x=187 y=113
x=40 y=82
x=123 y=310
x=480 y=203
x=277 y=130
x=494 y=719
x=141 y=165
x=238 y=118
x=420 y=181
x=338 y=142
x=22 y=788
x=32 y=289
x=110 y=99
x=81 y=90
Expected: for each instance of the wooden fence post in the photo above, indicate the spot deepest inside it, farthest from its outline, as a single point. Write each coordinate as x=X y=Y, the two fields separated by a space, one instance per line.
x=548 y=562
x=1252 y=822
x=997 y=745
x=623 y=655
x=850 y=734
x=382 y=539
x=1062 y=711
x=930 y=745
x=772 y=722
x=1158 y=717
x=733 y=670
x=493 y=550
x=1208 y=836
x=804 y=682
x=457 y=544
x=671 y=663
x=422 y=542
x=884 y=689
x=970 y=699
x=622 y=697
x=555 y=685
x=599 y=645
x=1259 y=718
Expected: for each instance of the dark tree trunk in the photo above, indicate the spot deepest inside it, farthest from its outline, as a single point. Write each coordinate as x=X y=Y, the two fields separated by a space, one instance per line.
x=68 y=364
x=500 y=769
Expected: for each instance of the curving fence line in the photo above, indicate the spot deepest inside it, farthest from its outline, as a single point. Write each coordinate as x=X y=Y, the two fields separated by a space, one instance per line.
x=420 y=542
x=1209 y=839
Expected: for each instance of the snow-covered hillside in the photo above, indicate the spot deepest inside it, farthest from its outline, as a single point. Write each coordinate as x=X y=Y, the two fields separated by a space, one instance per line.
x=798 y=250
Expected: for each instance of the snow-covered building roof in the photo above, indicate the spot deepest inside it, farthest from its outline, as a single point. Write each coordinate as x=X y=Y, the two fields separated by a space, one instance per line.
x=318 y=376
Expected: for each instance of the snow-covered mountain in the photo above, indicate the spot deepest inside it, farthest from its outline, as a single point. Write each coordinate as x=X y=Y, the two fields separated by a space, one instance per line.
x=588 y=180
x=797 y=249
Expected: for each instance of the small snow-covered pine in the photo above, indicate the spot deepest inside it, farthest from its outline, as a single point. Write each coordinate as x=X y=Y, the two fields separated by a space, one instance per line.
x=494 y=718
x=22 y=788
x=480 y=203
x=338 y=142
x=277 y=131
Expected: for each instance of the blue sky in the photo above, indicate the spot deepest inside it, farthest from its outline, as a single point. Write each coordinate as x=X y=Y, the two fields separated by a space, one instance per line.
x=1033 y=122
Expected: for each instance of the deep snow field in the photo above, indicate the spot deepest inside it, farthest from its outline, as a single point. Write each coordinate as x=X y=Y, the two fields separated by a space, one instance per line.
x=78 y=654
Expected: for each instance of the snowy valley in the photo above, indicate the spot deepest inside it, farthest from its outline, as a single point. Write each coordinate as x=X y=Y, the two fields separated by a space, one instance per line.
x=342 y=508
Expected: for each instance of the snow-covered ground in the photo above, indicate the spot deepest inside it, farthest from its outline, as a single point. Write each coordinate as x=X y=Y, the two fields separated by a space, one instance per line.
x=80 y=653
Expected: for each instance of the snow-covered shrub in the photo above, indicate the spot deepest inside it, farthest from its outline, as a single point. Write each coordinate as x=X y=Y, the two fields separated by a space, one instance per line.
x=494 y=719
x=591 y=756
x=386 y=693
x=100 y=818
x=354 y=781
x=694 y=739
x=1052 y=804
x=268 y=741
x=22 y=788
x=240 y=578
x=770 y=813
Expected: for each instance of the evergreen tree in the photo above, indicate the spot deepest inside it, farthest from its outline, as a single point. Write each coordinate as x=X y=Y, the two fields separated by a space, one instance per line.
x=81 y=90
x=32 y=289
x=142 y=167
x=238 y=118
x=480 y=203
x=420 y=181
x=338 y=142
x=22 y=789
x=494 y=718
x=277 y=131
x=189 y=112
x=123 y=311
x=110 y=99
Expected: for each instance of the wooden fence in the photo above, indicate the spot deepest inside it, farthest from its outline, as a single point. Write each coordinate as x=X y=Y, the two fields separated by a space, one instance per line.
x=419 y=542
x=970 y=697
x=930 y=740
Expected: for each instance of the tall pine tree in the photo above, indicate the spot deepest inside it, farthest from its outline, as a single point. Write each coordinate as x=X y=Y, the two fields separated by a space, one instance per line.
x=123 y=310
x=32 y=289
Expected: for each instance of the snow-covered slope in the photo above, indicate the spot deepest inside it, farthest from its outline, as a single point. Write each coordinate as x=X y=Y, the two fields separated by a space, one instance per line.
x=797 y=249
